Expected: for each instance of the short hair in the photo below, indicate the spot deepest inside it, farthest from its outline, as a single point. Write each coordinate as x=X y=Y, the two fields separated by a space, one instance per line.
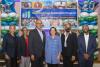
x=24 y=28
x=37 y=20
x=67 y=23
x=54 y=29
x=85 y=25
x=12 y=25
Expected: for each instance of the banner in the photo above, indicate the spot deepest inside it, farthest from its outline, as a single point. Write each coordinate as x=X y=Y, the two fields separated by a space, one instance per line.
x=48 y=13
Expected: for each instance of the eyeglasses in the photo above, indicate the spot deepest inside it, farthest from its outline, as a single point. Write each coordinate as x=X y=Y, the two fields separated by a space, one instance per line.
x=38 y=23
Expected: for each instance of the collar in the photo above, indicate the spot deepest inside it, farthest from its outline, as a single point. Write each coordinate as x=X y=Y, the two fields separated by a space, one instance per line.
x=69 y=32
x=54 y=37
x=86 y=34
x=39 y=30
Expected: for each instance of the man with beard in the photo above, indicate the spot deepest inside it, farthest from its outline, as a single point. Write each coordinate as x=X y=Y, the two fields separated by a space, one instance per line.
x=69 y=46
x=86 y=48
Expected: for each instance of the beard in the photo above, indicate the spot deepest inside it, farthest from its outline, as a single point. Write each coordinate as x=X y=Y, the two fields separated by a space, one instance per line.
x=86 y=31
x=67 y=30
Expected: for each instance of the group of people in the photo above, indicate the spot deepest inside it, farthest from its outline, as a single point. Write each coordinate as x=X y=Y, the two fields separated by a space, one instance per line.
x=33 y=49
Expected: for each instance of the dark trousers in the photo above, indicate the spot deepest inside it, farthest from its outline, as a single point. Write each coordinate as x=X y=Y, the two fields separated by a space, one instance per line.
x=84 y=63
x=67 y=62
x=12 y=62
x=37 y=63
x=52 y=65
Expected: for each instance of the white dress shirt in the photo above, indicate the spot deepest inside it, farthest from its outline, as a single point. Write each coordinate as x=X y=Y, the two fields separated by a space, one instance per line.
x=66 y=37
x=86 y=36
x=40 y=33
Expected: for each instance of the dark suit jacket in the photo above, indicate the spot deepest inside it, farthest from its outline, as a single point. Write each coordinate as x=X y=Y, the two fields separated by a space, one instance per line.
x=71 y=48
x=36 y=45
x=82 y=47
x=10 y=45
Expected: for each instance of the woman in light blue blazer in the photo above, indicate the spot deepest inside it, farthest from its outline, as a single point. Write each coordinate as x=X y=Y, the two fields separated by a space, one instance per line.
x=53 y=48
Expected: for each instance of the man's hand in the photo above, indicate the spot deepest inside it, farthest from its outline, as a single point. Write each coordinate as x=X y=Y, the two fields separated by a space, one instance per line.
x=86 y=56
x=7 y=57
x=19 y=61
x=32 y=57
x=73 y=58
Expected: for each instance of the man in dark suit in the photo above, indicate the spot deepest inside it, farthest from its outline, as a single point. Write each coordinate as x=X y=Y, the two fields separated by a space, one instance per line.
x=69 y=46
x=86 y=48
x=10 y=44
x=36 y=45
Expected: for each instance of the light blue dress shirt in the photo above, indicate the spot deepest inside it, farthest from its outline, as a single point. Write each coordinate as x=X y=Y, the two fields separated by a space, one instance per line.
x=52 y=49
x=40 y=33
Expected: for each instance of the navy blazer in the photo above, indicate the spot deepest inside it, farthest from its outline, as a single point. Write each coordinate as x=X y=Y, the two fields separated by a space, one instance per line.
x=82 y=47
x=36 y=45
